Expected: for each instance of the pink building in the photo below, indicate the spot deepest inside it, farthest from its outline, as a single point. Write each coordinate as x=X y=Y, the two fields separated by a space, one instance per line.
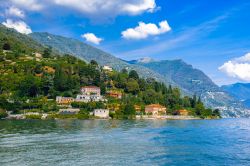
x=91 y=90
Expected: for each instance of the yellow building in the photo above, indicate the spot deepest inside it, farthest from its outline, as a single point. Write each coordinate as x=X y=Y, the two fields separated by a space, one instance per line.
x=155 y=109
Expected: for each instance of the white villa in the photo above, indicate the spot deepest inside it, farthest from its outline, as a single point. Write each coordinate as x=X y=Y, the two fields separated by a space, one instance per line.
x=101 y=113
x=107 y=68
x=91 y=90
x=89 y=93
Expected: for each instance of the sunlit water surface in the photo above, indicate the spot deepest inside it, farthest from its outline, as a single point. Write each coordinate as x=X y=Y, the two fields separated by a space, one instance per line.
x=104 y=142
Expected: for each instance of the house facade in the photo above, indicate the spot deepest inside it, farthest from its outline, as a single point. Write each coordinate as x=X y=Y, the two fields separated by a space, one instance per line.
x=64 y=100
x=89 y=98
x=101 y=113
x=107 y=68
x=89 y=94
x=114 y=94
x=182 y=112
x=155 y=109
x=91 y=90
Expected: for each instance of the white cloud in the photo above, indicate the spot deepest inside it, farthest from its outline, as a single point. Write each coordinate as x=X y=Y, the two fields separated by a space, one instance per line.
x=143 y=30
x=19 y=26
x=238 y=68
x=114 y=7
x=136 y=8
x=34 y=5
x=93 y=9
x=13 y=11
x=90 y=37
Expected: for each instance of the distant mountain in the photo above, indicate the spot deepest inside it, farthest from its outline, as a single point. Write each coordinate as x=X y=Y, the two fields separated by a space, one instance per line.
x=182 y=74
x=141 y=60
x=194 y=81
x=247 y=103
x=86 y=52
x=177 y=73
x=240 y=91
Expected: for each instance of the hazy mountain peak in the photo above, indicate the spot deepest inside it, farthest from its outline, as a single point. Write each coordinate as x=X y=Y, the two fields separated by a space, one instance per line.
x=145 y=60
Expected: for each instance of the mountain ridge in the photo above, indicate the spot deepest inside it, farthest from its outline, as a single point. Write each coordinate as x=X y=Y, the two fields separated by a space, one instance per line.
x=241 y=91
x=211 y=94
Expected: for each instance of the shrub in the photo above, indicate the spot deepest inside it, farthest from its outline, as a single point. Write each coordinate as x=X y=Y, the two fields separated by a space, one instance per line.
x=3 y=113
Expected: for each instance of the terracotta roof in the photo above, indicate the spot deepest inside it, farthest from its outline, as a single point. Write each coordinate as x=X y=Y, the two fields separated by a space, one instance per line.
x=183 y=110
x=155 y=106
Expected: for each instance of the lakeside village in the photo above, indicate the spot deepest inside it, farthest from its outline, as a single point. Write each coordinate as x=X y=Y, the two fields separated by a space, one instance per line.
x=70 y=107
x=92 y=94
x=47 y=86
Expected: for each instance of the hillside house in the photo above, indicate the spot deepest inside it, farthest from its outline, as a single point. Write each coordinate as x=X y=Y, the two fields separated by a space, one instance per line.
x=182 y=112
x=69 y=111
x=90 y=93
x=49 y=69
x=114 y=94
x=137 y=109
x=101 y=113
x=89 y=98
x=155 y=109
x=64 y=100
x=107 y=68
x=91 y=90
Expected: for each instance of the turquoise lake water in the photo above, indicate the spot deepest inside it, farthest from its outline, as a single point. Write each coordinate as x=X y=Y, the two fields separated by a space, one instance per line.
x=142 y=142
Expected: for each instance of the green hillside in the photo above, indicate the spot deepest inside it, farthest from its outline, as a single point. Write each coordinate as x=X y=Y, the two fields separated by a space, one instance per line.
x=176 y=73
x=86 y=52
x=32 y=76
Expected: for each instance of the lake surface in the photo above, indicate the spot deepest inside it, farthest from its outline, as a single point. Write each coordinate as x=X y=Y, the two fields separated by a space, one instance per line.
x=140 y=142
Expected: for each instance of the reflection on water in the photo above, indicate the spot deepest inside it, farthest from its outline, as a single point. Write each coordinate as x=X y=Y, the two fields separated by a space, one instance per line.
x=115 y=142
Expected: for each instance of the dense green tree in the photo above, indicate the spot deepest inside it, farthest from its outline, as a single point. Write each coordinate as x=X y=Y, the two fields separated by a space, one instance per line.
x=47 y=84
x=132 y=86
x=3 y=113
x=129 y=110
x=133 y=74
x=93 y=63
x=6 y=46
x=29 y=86
x=47 y=52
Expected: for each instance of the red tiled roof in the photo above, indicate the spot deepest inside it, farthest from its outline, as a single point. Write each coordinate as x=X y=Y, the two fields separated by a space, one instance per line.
x=93 y=87
x=155 y=106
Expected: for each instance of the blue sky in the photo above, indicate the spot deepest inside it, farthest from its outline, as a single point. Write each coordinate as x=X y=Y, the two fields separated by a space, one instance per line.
x=211 y=35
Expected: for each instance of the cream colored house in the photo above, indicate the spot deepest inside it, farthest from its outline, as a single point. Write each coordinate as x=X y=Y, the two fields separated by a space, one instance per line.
x=101 y=113
x=155 y=109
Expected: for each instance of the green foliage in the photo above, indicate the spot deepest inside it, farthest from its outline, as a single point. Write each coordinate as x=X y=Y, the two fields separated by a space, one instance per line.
x=133 y=74
x=93 y=63
x=29 y=86
x=3 y=113
x=33 y=116
x=129 y=110
x=47 y=52
x=132 y=86
x=6 y=46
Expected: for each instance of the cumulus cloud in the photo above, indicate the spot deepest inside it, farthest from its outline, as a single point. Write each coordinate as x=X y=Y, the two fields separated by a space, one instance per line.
x=13 y=11
x=90 y=37
x=110 y=6
x=34 y=5
x=238 y=68
x=143 y=30
x=97 y=9
x=19 y=26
